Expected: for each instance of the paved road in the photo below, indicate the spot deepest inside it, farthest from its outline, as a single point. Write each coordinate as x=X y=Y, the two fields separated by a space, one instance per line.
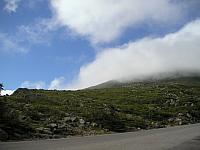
x=175 y=138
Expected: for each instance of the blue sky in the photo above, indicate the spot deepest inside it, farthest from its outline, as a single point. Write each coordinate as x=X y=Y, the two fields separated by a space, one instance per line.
x=62 y=56
x=62 y=44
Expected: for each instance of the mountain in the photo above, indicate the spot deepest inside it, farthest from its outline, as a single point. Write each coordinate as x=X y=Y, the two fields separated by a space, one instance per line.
x=187 y=80
x=107 y=108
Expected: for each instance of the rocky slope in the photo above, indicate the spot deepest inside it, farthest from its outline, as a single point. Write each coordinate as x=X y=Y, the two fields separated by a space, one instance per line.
x=33 y=114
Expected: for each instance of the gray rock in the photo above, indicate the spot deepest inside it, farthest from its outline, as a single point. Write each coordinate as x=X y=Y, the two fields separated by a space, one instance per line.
x=93 y=124
x=179 y=121
x=188 y=115
x=43 y=130
x=53 y=125
x=180 y=114
x=39 y=129
x=171 y=119
x=81 y=121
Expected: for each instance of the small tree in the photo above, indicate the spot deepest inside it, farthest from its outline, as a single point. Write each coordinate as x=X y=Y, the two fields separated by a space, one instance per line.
x=1 y=87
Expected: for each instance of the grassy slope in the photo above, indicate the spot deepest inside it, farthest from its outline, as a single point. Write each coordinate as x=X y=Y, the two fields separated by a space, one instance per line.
x=127 y=107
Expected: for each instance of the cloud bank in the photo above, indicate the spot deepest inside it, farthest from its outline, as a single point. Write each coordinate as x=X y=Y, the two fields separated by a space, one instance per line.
x=105 y=20
x=176 y=52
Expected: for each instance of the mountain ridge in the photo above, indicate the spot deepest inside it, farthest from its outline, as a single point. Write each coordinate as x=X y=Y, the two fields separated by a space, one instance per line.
x=150 y=80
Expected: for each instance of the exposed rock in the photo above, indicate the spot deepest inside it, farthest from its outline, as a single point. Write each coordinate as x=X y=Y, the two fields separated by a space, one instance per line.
x=81 y=121
x=171 y=119
x=53 y=125
x=43 y=130
x=178 y=121
x=188 y=115
x=93 y=124
x=180 y=114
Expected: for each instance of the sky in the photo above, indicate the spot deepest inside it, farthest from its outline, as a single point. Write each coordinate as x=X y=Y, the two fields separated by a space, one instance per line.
x=64 y=44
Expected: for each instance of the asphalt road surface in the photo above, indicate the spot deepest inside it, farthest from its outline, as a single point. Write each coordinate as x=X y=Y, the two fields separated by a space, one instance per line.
x=173 y=138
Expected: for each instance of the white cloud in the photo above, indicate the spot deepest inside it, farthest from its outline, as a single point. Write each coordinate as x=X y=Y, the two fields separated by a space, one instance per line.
x=177 y=52
x=11 y=44
x=105 y=20
x=39 y=32
x=57 y=83
x=7 y=92
x=33 y=85
x=11 y=5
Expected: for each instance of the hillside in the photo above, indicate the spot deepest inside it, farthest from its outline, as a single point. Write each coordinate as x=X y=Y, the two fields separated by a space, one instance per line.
x=34 y=114
x=191 y=80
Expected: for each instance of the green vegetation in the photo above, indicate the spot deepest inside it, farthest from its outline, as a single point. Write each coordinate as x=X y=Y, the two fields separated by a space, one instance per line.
x=32 y=114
